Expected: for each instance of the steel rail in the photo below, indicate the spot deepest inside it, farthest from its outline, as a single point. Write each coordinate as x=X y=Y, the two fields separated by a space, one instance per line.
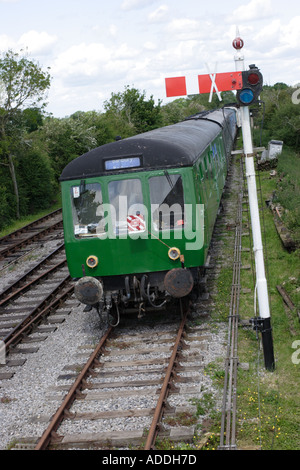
x=228 y=418
x=49 y=433
x=7 y=297
x=31 y=271
x=38 y=313
x=11 y=249
x=27 y=227
x=154 y=428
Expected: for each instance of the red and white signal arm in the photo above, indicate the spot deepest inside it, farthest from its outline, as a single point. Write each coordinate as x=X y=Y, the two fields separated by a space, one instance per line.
x=136 y=223
x=182 y=86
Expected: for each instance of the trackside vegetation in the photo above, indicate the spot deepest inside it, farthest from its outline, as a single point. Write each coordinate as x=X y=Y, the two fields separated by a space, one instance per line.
x=268 y=402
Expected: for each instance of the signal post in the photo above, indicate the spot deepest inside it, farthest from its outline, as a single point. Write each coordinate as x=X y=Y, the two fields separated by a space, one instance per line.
x=249 y=93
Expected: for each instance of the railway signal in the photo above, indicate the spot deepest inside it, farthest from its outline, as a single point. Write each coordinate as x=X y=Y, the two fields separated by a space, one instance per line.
x=262 y=322
x=248 y=85
x=252 y=85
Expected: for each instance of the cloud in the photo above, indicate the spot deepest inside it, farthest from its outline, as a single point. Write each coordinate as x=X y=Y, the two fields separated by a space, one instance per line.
x=182 y=25
x=136 y=4
x=150 y=46
x=82 y=60
x=5 y=42
x=160 y=14
x=291 y=33
x=254 y=10
x=37 y=42
x=278 y=40
x=165 y=39
x=113 y=30
x=83 y=64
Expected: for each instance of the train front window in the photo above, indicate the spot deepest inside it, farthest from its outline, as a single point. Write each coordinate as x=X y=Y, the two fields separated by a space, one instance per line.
x=87 y=210
x=167 y=202
x=127 y=208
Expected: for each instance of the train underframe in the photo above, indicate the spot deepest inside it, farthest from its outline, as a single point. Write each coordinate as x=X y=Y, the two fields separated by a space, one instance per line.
x=113 y=296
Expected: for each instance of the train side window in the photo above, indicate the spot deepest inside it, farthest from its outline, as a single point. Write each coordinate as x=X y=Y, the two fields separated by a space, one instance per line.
x=167 y=202
x=87 y=209
x=128 y=213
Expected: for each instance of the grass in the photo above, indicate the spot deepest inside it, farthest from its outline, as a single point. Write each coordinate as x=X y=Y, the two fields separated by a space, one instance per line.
x=30 y=218
x=287 y=191
x=268 y=402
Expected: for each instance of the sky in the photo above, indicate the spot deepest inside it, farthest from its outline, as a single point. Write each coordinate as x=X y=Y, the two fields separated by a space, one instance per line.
x=95 y=48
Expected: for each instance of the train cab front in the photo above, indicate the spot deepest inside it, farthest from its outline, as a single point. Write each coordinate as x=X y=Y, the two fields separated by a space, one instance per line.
x=126 y=239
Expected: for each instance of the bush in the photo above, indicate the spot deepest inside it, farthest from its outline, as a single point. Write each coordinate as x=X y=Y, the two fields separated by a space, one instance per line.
x=288 y=189
x=5 y=212
x=36 y=182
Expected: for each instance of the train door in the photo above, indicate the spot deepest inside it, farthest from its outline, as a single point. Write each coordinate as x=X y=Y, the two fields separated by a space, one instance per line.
x=202 y=194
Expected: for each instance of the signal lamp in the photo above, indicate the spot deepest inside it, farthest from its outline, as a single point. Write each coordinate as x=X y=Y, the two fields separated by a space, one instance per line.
x=253 y=78
x=246 y=96
x=251 y=88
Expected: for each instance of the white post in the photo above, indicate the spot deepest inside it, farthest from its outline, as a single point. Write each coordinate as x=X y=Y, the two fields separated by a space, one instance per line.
x=261 y=282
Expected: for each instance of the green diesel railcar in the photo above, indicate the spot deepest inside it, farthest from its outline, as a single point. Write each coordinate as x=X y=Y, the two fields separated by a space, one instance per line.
x=139 y=213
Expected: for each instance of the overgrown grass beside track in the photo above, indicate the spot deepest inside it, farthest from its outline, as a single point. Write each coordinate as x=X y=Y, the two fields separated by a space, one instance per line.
x=268 y=402
x=30 y=218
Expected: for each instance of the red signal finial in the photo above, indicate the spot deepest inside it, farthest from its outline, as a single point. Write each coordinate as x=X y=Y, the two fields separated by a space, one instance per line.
x=238 y=43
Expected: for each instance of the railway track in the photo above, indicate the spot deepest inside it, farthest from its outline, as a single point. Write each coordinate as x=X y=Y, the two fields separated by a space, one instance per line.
x=16 y=244
x=24 y=309
x=29 y=299
x=149 y=368
x=36 y=314
x=33 y=276
x=229 y=405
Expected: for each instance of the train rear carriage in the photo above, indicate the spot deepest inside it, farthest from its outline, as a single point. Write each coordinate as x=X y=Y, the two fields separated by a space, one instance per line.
x=139 y=213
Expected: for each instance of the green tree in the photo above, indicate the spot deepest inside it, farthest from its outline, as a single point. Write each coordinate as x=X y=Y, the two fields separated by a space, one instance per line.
x=130 y=113
x=37 y=185
x=65 y=139
x=175 y=111
x=22 y=85
x=280 y=116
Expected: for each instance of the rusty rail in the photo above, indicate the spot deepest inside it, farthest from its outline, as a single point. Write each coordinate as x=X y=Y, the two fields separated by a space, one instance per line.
x=39 y=312
x=50 y=432
x=154 y=428
x=50 y=435
x=40 y=233
x=13 y=291
x=28 y=227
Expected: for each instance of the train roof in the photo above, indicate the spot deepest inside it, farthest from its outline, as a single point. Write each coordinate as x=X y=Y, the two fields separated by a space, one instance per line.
x=178 y=145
